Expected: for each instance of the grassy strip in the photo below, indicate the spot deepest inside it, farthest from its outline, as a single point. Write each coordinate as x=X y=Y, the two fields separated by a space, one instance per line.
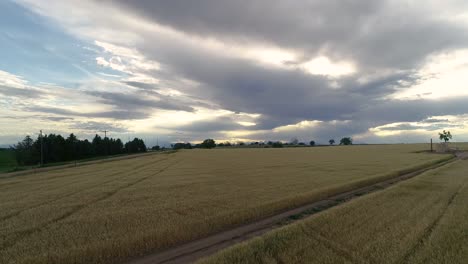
x=7 y=160
x=422 y=220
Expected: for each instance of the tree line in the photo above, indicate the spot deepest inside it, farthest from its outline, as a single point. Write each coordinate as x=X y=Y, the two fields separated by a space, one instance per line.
x=210 y=143
x=56 y=148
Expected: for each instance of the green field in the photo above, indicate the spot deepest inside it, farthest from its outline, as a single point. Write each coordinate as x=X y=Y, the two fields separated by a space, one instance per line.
x=422 y=220
x=111 y=211
x=7 y=160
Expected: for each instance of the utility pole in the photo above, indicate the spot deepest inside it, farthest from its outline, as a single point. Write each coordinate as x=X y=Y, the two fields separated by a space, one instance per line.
x=431 y=146
x=75 y=155
x=107 y=146
x=42 y=150
x=105 y=133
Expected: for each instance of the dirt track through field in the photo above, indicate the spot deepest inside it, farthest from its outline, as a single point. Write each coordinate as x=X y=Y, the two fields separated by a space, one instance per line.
x=24 y=233
x=192 y=251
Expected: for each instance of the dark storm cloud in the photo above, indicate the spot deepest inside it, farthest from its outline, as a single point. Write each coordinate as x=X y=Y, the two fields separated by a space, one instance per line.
x=56 y=118
x=218 y=124
x=138 y=101
x=391 y=111
x=388 y=41
x=141 y=85
x=281 y=96
x=374 y=33
x=118 y=114
x=243 y=86
x=98 y=126
x=431 y=127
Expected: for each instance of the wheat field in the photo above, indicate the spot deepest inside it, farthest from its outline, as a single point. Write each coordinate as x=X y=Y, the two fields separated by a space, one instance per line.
x=422 y=220
x=113 y=211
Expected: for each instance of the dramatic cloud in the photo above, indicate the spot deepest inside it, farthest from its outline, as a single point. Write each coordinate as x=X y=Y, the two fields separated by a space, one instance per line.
x=98 y=127
x=135 y=101
x=260 y=70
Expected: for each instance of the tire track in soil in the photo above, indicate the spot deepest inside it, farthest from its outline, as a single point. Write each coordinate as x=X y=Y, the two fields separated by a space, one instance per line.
x=430 y=229
x=25 y=233
x=5 y=218
x=73 y=174
x=344 y=251
x=191 y=251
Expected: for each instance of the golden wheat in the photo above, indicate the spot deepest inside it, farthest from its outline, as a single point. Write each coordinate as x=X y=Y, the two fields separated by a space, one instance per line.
x=106 y=213
x=422 y=220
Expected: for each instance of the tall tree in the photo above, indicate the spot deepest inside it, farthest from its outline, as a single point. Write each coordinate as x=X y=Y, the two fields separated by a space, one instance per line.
x=346 y=141
x=208 y=143
x=24 y=151
x=445 y=136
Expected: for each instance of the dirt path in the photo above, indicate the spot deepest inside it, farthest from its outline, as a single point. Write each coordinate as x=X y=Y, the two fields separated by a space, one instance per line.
x=462 y=155
x=192 y=251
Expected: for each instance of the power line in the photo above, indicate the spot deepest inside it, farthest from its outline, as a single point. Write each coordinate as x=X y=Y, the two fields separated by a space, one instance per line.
x=105 y=132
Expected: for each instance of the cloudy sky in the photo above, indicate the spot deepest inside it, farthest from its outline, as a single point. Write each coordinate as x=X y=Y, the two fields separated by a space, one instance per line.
x=379 y=71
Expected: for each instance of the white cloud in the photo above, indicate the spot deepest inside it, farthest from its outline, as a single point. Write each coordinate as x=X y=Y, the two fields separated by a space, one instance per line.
x=12 y=80
x=430 y=126
x=444 y=75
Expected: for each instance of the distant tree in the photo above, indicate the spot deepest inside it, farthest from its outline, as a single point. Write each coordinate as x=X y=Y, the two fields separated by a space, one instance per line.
x=277 y=144
x=445 y=136
x=156 y=147
x=84 y=149
x=24 y=152
x=301 y=144
x=227 y=144
x=241 y=143
x=71 y=147
x=117 y=147
x=331 y=141
x=56 y=148
x=346 y=141
x=98 y=146
x=294 y=141
x=312 y=143
x=178 y=146
x=135 y=146
x=208 y=143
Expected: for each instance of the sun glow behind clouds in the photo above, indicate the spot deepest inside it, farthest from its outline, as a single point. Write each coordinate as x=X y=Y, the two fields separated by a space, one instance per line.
x=446 y=75
x=323 y=66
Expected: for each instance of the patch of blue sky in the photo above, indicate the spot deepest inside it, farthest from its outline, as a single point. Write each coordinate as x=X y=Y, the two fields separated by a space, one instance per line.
x=40 y=51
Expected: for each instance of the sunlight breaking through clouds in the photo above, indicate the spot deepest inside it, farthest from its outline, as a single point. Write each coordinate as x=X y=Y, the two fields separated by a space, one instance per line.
x=308 y=69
